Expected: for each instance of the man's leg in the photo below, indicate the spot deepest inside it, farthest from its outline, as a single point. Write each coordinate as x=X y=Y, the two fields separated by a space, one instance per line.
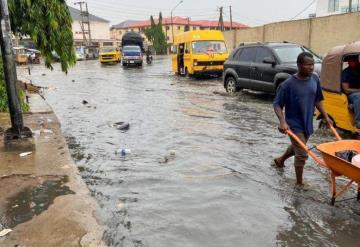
x=300 y=157
x=354 y=99
x=279 y=162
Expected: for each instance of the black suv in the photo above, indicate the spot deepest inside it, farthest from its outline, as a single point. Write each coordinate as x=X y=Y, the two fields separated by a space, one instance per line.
x=262 y=66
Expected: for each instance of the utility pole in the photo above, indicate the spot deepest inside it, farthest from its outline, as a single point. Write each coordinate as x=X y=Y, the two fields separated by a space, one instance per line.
x=85 y=22
x=221 y=20
x=231 y=24
x=188 y=24
x=171 y=17
x=350 y=6
x=17 y=130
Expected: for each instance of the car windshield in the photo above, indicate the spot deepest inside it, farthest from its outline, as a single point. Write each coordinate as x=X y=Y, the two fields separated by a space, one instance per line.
x=107 y=49
x=209 y=47
x=289 y=54
x=131 y=48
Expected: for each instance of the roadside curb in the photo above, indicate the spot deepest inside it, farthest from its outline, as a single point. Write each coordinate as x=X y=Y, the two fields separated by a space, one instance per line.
x=67 y=219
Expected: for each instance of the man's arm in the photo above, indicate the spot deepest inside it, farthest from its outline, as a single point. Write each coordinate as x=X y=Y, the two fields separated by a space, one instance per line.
x=319 y=105
x=347 y=89
x=283 y=126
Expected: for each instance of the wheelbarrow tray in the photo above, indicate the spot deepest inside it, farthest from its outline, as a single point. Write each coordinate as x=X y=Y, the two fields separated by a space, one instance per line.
x=337 y=165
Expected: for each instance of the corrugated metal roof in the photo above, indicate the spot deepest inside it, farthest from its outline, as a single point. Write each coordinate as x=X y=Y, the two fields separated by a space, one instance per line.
x=176 y=20
x=75 y=14
x=124 y=24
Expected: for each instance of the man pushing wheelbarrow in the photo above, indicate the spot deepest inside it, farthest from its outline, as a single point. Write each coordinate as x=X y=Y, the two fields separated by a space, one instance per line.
x=299 y=95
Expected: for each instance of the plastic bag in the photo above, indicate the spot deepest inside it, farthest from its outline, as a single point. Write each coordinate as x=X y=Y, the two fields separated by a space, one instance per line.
x=346 y=154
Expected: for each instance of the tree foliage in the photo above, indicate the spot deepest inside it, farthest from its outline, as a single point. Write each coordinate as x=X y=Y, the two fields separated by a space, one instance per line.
x=49 y=24
x=156 y=36
x=3 y=95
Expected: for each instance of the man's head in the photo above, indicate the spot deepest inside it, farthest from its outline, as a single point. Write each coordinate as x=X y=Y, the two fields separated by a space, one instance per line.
x=353 y=61
x=305 y=63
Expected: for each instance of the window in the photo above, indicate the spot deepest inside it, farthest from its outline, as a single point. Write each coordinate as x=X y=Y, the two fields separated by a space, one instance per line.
x=179 y=28
x=235 y=54
x=333 y=5
x=247 y=54
x=194 y=28
x=167 y=27
x=199 y=47
x=262 y=53
x=289 y=54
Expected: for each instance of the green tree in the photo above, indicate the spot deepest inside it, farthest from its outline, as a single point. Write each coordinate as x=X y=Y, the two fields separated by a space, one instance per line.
x=49 y=24
x=156 y=36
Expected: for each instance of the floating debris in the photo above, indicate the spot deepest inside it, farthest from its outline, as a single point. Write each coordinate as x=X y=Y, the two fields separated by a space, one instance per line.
x=25 y=154
x=5 y=232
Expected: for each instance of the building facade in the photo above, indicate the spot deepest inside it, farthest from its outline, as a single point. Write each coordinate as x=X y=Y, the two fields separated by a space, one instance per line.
x=171 y=27
x=99 y=30
x=332 y=7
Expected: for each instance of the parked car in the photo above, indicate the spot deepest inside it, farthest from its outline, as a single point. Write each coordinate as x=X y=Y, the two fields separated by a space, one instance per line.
x=263 y=66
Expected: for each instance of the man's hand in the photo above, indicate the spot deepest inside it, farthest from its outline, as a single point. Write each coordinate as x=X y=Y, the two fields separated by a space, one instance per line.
x=283 y=127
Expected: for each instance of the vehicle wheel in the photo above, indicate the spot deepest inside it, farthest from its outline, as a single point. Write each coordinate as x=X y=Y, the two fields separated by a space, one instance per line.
x=230 y=85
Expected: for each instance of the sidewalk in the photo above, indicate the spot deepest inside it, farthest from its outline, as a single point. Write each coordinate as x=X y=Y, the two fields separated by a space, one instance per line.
x=43 y=199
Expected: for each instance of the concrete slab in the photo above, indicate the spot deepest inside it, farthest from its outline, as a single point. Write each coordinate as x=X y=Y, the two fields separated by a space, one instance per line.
x=65 y=220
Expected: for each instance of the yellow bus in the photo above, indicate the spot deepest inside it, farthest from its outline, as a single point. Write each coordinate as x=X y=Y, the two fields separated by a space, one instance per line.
x=200 y=52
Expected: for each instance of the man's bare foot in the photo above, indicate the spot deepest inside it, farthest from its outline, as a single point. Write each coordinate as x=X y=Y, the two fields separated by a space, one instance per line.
x=279 y=163
x=303 y=186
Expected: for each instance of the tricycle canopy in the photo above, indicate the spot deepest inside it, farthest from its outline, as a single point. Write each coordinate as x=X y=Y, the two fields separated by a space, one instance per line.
x=332 y=65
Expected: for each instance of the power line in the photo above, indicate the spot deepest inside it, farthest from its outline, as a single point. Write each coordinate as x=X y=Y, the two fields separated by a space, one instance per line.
x=302 y=11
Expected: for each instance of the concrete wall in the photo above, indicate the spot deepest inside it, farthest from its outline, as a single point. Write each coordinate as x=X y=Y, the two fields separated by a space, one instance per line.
x=319 y=34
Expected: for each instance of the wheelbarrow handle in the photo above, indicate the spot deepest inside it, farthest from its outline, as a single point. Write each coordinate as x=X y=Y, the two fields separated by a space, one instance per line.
x=305 y=148
x=336 y=134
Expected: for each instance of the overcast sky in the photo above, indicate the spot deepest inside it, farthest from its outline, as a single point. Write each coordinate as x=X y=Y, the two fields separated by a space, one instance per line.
x=250 y=12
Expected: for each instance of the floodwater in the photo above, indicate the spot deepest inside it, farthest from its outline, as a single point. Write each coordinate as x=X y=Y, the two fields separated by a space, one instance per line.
x=199 y=172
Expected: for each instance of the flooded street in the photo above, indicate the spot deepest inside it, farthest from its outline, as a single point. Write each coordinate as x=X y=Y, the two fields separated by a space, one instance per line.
x=199 y=172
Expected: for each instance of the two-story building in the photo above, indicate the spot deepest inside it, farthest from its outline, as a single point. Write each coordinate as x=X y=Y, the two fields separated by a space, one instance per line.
x=332 y=7
x=99 y=30
x=171 y=27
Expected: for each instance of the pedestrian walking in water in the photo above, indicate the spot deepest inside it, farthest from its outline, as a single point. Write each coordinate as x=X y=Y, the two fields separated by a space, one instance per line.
x=299 y=95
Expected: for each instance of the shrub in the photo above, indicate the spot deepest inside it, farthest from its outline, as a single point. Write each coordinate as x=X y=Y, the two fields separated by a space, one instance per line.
x=3 y=96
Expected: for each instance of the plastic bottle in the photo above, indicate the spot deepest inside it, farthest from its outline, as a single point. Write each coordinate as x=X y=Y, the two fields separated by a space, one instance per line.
x=123 y=151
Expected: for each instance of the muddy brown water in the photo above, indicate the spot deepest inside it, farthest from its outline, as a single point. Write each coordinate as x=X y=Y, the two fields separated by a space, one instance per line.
x=219 y=188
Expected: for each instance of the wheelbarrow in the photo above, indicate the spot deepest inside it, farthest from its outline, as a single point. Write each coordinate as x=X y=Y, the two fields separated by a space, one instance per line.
x=337 y=166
